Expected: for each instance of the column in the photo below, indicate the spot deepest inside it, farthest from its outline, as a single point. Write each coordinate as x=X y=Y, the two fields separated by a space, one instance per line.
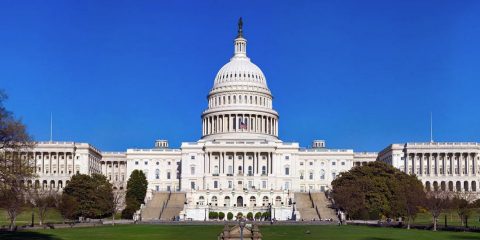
x=258 y=165
x=271 y=163
x=407 y=157
x=460 y=165
x=268 y=165
x=209 y=164
x=467 y=165
x=223 y=163
x=255 y=156
x=436 y=163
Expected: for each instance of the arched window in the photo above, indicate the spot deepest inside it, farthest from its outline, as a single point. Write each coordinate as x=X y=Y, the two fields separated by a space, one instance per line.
x=278 y=201
x=226 y=201
x=214 y=201
x=157 y=173
x=215 y=169
x=201 y=200
x=234 y=99
x=310 y=175
x=253 y=201
x=265 y=201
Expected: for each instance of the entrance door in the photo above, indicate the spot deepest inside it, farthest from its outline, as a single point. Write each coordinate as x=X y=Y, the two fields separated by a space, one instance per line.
x=239 y=201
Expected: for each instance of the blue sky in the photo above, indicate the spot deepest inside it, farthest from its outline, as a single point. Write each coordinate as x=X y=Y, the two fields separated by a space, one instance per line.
x=359 y=74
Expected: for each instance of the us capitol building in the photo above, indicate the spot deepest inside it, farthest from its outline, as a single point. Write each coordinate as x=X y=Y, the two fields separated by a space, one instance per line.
x=241 y=165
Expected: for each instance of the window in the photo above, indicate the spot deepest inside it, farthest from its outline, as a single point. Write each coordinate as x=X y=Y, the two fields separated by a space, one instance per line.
x=192 y=157
x=311 y=163
x=250 y=171
x=264 y=170
x=230 y=184
x=310 y=175
x=157 y=188
x=264 y=184
x=192 y=185
x=287 y=157
x=192 y=170
x=287 y=170
x=334 y=175
x=168 y=163
x=215 y=184
x=158 y=163
x=157 y=174
x=168 y=175
x=215 y=169
x=136 y=162
x=230 y=169
x=334 y=163
x=301 y=163
x=146 y=162
x=322 y=174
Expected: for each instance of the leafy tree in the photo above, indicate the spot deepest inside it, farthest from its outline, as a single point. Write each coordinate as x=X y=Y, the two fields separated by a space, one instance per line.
x=376 y=190
x=258 y=215
x=136 y=190
x=68 y=206
x=229 y=216
x=213 y=215
x=15 y=166
x=221 y=215
x=461 y=203
x=92 y=193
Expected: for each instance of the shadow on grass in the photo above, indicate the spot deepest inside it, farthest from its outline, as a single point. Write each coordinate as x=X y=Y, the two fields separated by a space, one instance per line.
x=26 y=235
x=376 y=238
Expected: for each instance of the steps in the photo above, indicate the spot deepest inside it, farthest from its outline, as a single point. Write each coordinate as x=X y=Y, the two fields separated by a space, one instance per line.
x=305 y=207
x=323 y=206
x=174 y=206
x=154 y=207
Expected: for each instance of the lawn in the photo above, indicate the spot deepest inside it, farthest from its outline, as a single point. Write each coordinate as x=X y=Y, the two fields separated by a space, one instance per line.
x=25 y=217
x=208 y=232
x=452 y=219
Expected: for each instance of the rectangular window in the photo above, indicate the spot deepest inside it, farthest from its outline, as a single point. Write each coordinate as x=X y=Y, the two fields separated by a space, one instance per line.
x=192 y=185
x=264 y=184
x=287 y=157
x=136 y=162
x=168 y=175
x=287 y=171
x=230 y=184
x=192 y=157
x=215 y=184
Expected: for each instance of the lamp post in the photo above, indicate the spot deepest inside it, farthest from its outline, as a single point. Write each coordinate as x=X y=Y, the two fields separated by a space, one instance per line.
x=241 y=223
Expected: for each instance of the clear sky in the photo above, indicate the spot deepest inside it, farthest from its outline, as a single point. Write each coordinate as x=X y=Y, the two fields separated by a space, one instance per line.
x=359 y=74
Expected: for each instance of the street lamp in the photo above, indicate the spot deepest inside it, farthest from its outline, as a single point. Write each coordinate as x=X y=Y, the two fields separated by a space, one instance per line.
x=241 y=223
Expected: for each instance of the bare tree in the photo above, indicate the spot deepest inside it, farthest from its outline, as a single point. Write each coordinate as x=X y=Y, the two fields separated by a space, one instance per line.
x=16 y=163
x=118 y=201
x=43 y=200
x=437 y=201
x=461 y=202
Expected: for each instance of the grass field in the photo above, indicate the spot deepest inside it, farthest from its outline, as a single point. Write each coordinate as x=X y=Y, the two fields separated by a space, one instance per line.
x=452 y=219
x=25 y=218
x=209 y=232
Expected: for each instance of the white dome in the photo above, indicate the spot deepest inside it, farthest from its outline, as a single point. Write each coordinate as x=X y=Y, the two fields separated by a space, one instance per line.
x=240 y=71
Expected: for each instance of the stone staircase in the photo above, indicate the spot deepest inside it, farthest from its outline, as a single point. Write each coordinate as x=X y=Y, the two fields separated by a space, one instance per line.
x=323 y=206
x=174 y=206
x=154 y=207
x=305 y=206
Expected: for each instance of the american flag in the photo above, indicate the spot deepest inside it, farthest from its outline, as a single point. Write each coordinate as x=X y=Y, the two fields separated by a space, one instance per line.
x=243 y=125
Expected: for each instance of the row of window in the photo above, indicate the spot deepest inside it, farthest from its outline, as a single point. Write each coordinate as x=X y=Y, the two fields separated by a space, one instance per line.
x=222 y=100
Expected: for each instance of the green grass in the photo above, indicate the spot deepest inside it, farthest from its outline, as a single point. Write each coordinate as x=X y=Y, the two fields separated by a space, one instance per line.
x=452 y=219
x=25 y=217
x=208 y=232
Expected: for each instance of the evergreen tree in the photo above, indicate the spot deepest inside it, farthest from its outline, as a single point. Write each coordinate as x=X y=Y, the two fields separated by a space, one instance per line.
x=136 y=190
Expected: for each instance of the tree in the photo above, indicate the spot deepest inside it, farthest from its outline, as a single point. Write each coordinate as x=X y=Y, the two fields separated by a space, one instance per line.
x=462 y=203
x=437 y=201
x=117 y=202
x=376 y=190
x=92 y=193
x=229 y=216
x=221 y=215
x=411 y=195
x=258 y=215
x=68 y=206
x=16 y=166
x=136 y=190
x=42 y=201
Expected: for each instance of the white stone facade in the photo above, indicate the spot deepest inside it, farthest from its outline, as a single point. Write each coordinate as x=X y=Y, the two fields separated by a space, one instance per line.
x=451 y=166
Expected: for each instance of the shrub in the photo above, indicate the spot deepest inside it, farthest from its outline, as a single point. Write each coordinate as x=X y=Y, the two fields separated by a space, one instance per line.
x=212 y=215
x=250 y=216
x=221 y=215
x=229 y=216
x=258 y=215
x=265 y=215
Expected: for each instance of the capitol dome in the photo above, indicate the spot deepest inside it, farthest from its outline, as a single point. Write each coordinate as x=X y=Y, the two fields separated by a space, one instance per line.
x=240 y=103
